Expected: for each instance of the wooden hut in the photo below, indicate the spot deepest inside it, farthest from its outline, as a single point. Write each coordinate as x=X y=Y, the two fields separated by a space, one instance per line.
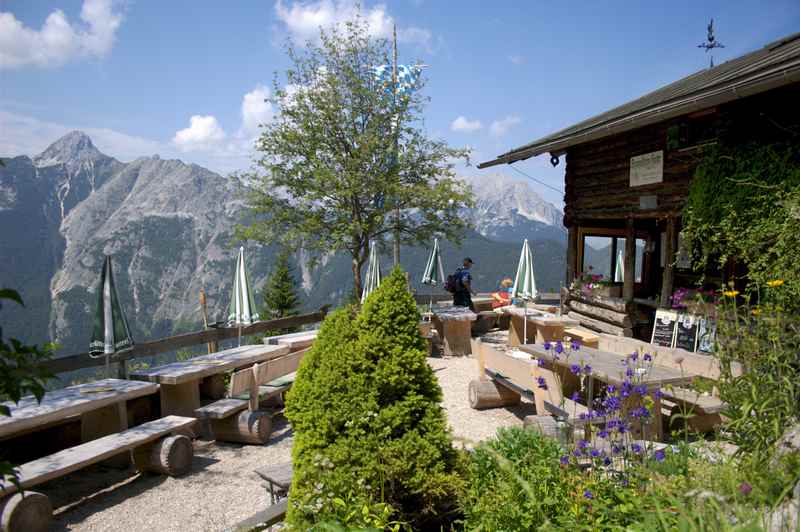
x=628 y=172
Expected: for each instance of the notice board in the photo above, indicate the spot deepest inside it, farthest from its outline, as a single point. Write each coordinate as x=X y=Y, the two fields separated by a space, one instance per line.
x=706 y=335
x=664 y=328
x=686 y=332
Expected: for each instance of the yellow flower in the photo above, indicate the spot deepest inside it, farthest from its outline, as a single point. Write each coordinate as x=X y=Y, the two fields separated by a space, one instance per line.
x=776 y=282
x=755 y=311
x=730 y=293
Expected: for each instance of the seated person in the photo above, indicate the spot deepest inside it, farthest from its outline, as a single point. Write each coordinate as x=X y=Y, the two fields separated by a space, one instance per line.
x=502 y=297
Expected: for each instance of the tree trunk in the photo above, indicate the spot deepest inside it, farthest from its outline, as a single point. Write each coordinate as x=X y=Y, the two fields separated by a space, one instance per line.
x=357 y=285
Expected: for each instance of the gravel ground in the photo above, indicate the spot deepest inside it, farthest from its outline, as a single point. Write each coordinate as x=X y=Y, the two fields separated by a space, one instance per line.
x=222 y=488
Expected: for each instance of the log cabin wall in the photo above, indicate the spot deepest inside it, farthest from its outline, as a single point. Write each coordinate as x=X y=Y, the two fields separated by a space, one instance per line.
x=598 y=195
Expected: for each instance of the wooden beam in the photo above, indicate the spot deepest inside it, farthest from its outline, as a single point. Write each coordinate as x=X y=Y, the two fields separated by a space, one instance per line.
x=572 y=254
x=669 y=260
x=615 y=318
x=630 y=261
x=171 y=343
x=599 y=325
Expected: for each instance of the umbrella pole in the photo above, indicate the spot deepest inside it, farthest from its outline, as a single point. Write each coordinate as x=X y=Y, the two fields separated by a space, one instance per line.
x=108 y=369
x=240 y=335
x=525 y=322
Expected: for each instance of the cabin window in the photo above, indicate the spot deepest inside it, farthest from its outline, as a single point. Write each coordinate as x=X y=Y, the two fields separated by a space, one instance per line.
x=605 y=255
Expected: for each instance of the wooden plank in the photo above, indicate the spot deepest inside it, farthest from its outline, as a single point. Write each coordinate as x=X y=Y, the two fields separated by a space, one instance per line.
x=516 y=370
x=669 y=271
x=598 y=325
x=620 y=319
x=222 y=408
x=274 y=514
x=278 y=367
x=572 y=254
x=200 y=367
x=706 y=403
x=171 y=343
x=612 y=303
x=608 y=367
x=294 y=341
x=70 y=401
x=629 y=271
x=74 y=458
x=278 y=474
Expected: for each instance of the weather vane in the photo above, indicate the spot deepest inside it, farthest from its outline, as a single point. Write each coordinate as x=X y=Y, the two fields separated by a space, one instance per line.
x=712 y=42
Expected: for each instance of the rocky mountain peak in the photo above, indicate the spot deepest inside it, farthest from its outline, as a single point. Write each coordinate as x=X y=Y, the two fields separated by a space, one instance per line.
x=73 y=147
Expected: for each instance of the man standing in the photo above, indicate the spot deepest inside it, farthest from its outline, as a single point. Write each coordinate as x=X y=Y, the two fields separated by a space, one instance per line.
x=462 y=297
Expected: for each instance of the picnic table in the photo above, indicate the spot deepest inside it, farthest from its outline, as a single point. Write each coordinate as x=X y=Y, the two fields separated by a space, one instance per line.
x=181 y=381
x=454 y=325
x=542 y=326
x=608 y=368
x=102 y=406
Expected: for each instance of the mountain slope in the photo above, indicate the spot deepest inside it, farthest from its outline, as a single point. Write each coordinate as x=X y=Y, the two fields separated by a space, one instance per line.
x=168 y=226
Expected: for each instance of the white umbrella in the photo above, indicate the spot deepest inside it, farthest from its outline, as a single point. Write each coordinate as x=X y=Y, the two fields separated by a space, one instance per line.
x=110 y=331
x=373 y=279
x=242 y=310
x=434 y=272
x=619 y=271
x=524 y=283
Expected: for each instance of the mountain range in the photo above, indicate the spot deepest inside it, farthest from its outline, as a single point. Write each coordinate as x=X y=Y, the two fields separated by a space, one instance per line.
x=169 y=225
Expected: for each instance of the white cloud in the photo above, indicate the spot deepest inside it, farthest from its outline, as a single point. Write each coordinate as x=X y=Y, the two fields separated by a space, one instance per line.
x=255 y=111
x=25 y=135
x=58 y=41
x=302 y=21
x=501 y=127
x=517 y=59
x=465 y=125
x=203 y=133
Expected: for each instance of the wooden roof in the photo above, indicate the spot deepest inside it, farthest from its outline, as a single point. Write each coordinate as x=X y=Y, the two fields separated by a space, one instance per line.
x=775 y=65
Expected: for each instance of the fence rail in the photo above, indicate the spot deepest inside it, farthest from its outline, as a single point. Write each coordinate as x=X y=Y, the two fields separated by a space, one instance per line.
x=171 y=343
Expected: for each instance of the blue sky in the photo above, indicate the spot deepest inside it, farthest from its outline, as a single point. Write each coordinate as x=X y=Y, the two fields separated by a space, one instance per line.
x=134 y=73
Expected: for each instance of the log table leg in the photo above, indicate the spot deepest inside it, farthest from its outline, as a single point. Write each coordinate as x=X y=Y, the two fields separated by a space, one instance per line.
x=457 y=336
x=244 y=427
x=489 y=394
x=25 y=512
x=547 y=333
x=180 y=399
x=213 y=386
x=110 y=419
x=515 y=331
x=171 y=455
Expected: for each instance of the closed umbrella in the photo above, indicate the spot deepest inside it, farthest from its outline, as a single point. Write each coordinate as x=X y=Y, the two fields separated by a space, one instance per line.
x=434 y=272
x=524 y=283
x=242 y=310
x=619 y=271
x=373 y=279
x=110 y=331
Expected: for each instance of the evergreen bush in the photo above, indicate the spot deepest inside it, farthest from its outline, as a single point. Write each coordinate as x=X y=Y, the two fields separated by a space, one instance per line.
x=280 y=294
x=369 y=427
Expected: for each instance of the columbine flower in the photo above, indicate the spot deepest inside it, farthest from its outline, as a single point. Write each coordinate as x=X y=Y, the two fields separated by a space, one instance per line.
x=745 y=488
x=647 y=357
x=636 y=448
x=575 y=345
x=606 y=461
x=559 y=348
x=575 y=369
x=616 y=449
x=635 y=355
x=541 y=383
x=595 y=453
x=629 y=372
x=659 y=455
x=575 y=396
x=603 y=434
x=583 y=444
x=611 y=388
x=577 y=452
x=565 y=460
x=547 y=346
x=588 y=494
x=587 y=369
x=641 y=389
x=658 y=394
x=772 y=284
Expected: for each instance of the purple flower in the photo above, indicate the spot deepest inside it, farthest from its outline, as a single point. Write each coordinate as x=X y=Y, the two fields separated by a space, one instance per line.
x=659 y=455
x=607 y=461
x=636 y=448
x=745 y=488
x=659 y=394
x=595 y=453
x=611 y=388
x=587 y=369
x=634 y=356
x=641 y=389
x=575 y=369
x=647 y=357
x=621 y=428
x=575 y=345
x=629 y=372
x=603 y=434
x=559 y=347
x=565 y=460
x=547 y=346
x=612 y=403
x=541 y=383
x=582 y=416
x=588 y=494
x=575 y=396
x=583 y=444
x=577 y=452
x=616 y=449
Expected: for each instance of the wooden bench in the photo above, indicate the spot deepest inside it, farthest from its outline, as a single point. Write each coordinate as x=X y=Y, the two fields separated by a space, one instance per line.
x=583 y=336
x=155 y=447
x=239 y=418
x=278 y=478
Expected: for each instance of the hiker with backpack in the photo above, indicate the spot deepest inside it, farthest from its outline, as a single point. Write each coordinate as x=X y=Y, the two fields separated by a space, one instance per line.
x=460 y=285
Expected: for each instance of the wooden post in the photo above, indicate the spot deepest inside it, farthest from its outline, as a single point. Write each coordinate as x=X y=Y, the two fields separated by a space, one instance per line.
x=630 y=262
x=572 y=254
x=212 y=346
x=669 y=259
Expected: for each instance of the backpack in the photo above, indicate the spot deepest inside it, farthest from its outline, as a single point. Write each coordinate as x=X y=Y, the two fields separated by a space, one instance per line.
x=453 y=283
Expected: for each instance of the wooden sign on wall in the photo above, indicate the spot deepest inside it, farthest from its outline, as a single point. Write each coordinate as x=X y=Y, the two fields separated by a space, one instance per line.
x=686 y=332
x=647 y=168
x=664 y=328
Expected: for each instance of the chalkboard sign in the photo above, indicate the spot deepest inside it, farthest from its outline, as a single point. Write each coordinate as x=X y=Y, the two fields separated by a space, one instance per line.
x=664 y=328
x=686 y=332
x=706 y=333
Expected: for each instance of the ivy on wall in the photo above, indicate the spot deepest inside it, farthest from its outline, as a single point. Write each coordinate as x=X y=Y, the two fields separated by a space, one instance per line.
x=744 y=203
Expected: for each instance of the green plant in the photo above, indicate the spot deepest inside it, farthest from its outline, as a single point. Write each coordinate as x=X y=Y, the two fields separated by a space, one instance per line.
x=765 y=398
x=21 y=373
x=350 y=157
x=280 y=293
x=368 y=424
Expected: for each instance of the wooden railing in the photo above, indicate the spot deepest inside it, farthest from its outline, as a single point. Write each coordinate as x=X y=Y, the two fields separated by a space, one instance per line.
x=171 y=343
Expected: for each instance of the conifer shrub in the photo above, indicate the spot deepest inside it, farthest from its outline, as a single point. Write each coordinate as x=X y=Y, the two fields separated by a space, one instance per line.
x=371 y=438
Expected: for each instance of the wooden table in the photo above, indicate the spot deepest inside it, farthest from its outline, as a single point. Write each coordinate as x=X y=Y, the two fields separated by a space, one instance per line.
x=454 y=325
x=180 y=381
x=542 y=327
x=102 y=406
x=608 y=368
